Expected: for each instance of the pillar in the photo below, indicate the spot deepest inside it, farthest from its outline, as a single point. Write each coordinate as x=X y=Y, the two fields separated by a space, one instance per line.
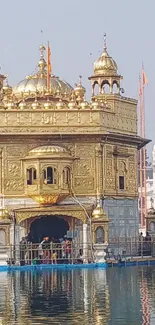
x=17 y=245
x=85 y=243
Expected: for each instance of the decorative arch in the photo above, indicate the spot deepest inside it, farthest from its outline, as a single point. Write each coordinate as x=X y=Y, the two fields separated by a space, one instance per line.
x=105 y=87
x=31 y=175
x=96 y=88
x=99 y=235
x=76 y=212
x=50 y=174
x=115 y=87
x=66 y=175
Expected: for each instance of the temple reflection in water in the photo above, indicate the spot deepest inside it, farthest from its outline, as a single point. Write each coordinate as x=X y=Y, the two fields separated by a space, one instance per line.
x=115 y=296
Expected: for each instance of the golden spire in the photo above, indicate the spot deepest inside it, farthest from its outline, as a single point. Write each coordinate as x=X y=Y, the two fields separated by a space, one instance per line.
x=105 y=42
x=79 y=90
x=42 y=63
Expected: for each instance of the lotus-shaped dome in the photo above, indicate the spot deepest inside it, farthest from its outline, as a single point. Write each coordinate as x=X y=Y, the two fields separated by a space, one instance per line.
x=36 y=84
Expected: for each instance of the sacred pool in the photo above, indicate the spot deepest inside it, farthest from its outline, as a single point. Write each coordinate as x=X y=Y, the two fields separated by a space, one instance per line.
x=81 y=296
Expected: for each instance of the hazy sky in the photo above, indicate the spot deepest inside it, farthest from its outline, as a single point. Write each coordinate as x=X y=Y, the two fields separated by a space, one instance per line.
x=75 y=29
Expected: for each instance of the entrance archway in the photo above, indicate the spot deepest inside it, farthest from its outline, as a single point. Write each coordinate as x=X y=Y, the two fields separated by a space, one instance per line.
x=48 y=226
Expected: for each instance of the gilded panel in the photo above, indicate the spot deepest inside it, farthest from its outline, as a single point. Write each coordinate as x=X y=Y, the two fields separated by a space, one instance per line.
x=61 y=117
x=13 y=169
x=109 y=167
x=85 y=167
x=17 y=150
x=132 y=185
x=48 y=118
x=132 y=171
x=37 y=118
x=87 y=150
x=73 y=118
x=84 y=184
x=3 y=119
x=110 y=183
x=13 y=186
x=25 y=118
x=12 y=118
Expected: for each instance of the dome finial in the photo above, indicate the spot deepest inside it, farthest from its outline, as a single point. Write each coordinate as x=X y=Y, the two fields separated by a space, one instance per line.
x=80 y=79
x=105 y=42
x=42 y=63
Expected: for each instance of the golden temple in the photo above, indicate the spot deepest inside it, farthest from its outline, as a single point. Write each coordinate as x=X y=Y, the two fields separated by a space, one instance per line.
x=60 y=155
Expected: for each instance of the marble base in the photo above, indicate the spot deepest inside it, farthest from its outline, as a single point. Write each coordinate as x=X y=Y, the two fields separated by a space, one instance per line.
x=3 y=256
x=99 y=252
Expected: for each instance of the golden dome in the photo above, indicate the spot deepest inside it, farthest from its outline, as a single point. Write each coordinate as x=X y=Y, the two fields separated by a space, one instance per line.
x=60 y=104
x=10 y=105
x=49 y=151
x=95 y=104
x=79 y=90
x=48 y=105
x=105 y=65
x=84 y=104
x=35 y=104
x=98 y=214
x=37 y=83
x=22 y=104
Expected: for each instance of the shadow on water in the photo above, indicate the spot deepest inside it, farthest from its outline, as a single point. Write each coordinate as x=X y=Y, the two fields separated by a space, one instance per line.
x=84 y=296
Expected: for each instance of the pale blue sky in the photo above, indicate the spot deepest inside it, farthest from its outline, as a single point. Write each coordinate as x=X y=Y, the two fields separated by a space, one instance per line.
x=76 y=28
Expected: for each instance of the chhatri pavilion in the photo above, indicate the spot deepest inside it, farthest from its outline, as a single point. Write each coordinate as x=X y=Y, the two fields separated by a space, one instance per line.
x=68 y=166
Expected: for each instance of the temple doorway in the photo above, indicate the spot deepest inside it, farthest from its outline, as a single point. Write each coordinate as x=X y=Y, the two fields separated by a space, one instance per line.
x=48 y=226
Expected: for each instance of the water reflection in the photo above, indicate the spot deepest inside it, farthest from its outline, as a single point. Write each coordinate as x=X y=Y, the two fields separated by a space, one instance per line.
x=94 y=297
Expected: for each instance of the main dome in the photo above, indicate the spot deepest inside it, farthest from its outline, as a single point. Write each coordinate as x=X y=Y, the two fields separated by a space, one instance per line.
x=37 y=85
x=42 y=82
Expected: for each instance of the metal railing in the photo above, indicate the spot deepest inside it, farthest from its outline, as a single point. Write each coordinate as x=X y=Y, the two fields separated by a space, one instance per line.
x=53 y=253
x=73 y=253
x=132 y=247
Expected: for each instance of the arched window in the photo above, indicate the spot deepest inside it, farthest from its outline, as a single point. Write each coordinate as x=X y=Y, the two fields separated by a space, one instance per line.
x=105 y=87
x=31 y=176
x=66 y=175
x=115 y=88
x=152 y=226
x=99 y=235
x=95 y=88
x=50 y=175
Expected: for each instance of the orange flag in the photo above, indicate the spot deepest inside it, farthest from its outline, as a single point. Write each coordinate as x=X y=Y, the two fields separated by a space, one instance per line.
x=144 y=77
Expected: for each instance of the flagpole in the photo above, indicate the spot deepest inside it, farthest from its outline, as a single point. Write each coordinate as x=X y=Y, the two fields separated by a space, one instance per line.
x=144 y=82
x=140 y=158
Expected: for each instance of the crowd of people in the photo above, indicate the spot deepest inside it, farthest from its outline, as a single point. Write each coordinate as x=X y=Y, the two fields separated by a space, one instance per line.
x=48 y=251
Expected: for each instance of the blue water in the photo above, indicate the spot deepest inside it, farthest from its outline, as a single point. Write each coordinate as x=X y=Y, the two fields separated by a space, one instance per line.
x=95 y=297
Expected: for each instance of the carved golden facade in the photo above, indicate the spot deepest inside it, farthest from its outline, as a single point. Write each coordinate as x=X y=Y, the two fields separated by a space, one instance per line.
x=97 y=141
